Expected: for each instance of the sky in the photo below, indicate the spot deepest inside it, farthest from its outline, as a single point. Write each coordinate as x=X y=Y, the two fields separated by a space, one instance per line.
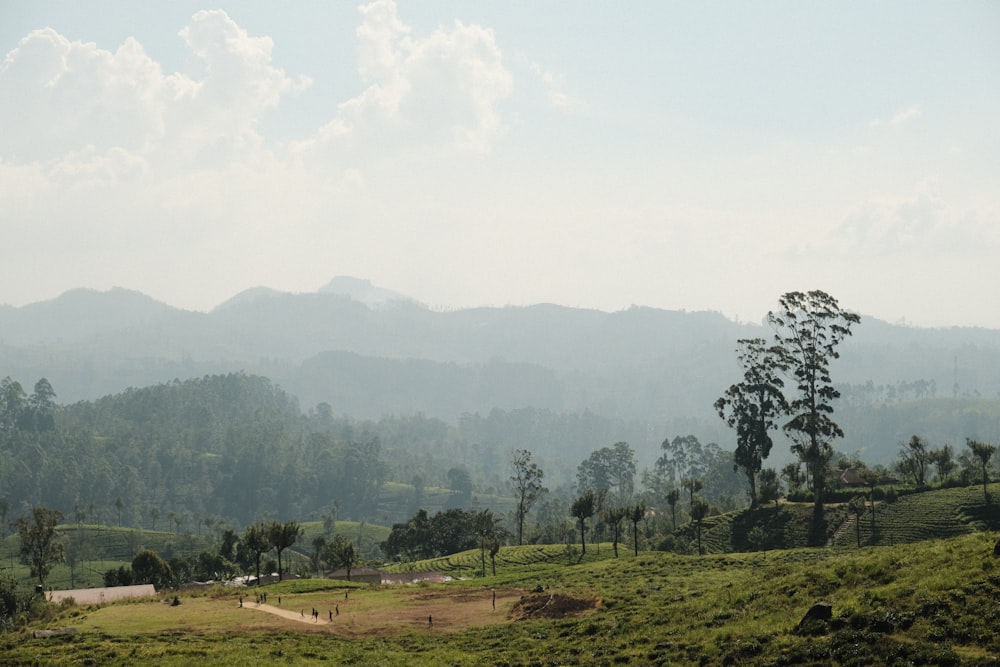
x=679 y=155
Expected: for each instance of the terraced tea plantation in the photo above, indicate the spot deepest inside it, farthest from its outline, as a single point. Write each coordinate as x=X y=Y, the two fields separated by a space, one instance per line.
x=926 y=516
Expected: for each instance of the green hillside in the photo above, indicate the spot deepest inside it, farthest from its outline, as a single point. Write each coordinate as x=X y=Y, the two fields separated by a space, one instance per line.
x=934 y=605
x=933 y=514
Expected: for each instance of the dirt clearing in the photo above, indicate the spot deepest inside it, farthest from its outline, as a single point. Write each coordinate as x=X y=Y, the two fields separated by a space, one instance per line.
x=373 y=613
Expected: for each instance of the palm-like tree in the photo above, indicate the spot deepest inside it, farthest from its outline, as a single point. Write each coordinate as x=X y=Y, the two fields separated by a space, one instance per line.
x=282 y=536
x=582 y=509
x=983 y=451
x=636 y=514
x=673 y=497
x=699 y=510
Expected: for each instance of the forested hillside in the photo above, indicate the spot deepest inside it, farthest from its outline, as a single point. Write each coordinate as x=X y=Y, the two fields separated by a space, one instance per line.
x=233 y=447
x=237 y=447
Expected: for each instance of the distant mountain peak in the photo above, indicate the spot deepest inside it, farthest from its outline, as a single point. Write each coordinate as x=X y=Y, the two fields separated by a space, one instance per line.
x=363 y=291
x=249 y=296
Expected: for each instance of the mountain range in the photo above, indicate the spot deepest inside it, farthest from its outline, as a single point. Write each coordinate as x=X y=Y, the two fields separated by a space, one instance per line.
x=368 y=351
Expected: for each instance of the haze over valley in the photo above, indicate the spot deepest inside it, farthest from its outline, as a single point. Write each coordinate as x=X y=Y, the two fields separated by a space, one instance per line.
x=370 y=352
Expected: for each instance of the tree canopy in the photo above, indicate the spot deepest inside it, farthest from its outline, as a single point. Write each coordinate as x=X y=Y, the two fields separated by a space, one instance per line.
x=41 y=545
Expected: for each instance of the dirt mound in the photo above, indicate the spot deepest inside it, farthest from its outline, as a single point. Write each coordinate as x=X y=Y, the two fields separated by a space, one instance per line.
x=551 y=605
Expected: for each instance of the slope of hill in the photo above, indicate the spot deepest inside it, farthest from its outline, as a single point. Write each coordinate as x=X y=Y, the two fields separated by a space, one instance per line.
x=915 y=517
x=890 y=606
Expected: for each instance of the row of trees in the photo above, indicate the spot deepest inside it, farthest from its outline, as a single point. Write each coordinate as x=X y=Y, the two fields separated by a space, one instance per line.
x=42 y=546
x=917 y=459
x=605 y=486
x=447 y=532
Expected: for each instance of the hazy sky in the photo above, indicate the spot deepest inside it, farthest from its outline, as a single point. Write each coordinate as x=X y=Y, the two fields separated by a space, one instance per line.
x=699 y=156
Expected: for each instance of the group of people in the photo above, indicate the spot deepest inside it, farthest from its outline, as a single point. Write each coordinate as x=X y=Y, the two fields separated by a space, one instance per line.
x=262 y=597
x=315 y=614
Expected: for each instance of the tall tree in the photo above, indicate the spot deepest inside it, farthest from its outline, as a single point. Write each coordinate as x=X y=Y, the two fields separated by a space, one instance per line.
x=808 y=327
x=673 y=497
x=613 y=517
x=583 y=508
x=13 y=404
x=792 y=474
x=943 y=460
x=681 y=457
x=753 y=407
x=41 y=546
x=527 y=484
x=282 y=536
x=149 y=568
x=340 y=552
x=914 y=459
x=460 y=481
x=770 y=487
x=609 y=470
x=494 y=550
x=228 y=543
x=636 y=514
x=621 y=472
x=692 y=486
x=319 y=547
x=488 y=529
x=983 y=452
x=255 y=543
x=857 y=507
x=871 y=479
x=42 y=405
x=699 y=510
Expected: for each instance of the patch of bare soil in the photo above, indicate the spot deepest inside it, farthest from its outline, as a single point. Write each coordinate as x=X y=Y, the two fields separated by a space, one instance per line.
x=436 y=611
x=551 y=605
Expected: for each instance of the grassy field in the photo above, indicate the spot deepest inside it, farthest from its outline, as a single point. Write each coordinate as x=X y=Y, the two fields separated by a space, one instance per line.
x=934 y=603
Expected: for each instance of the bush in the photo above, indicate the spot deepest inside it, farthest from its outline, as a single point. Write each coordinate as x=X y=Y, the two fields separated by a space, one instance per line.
x=677 y=544
x=18 y=607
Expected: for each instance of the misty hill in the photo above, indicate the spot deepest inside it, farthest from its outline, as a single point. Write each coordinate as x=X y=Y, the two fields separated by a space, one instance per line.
x=369 y=352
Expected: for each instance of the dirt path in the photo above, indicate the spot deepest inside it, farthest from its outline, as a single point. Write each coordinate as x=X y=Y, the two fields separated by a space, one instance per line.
x=298 y=615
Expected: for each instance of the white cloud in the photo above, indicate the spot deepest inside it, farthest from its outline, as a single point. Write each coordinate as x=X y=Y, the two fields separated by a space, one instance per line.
x=920 y=226
x=240 y=82
x=554 y=87
x=66 y=96
x=906 y=115
x=63 y=96
x=899 y=118
x=439 y=91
